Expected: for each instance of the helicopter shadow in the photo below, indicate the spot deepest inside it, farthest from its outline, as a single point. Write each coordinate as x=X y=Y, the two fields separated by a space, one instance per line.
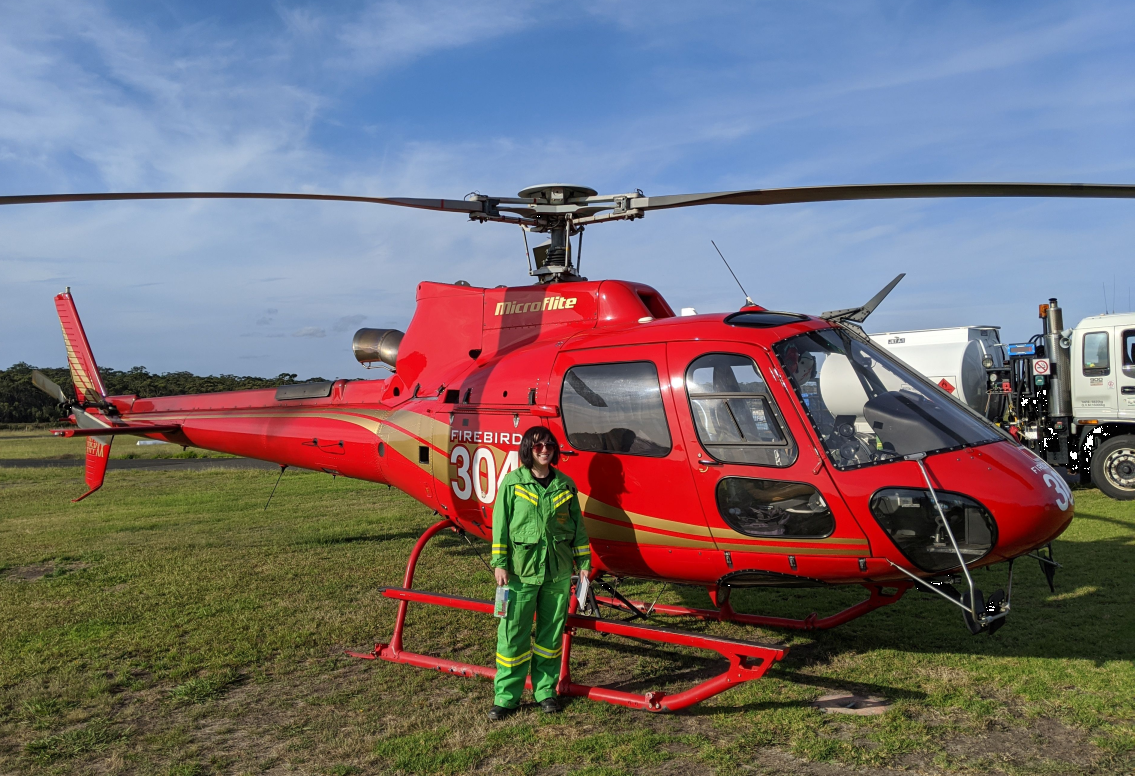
x=1089 y=617
x=606 y=481
x=332 y=539
x=684 y=670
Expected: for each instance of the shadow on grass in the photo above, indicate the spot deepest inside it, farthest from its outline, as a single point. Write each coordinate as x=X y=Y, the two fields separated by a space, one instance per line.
x=332 y=539
x=1088 y=618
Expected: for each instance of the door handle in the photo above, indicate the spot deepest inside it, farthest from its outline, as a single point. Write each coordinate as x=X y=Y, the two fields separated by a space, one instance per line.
x=564 y=451
x=704 y=462
x=1127 y=389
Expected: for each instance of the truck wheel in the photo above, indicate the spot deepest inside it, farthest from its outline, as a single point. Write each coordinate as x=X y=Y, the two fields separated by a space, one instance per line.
x=1113 y=467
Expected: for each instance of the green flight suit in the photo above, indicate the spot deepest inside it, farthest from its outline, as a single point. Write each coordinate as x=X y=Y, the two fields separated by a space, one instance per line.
x=538 y=538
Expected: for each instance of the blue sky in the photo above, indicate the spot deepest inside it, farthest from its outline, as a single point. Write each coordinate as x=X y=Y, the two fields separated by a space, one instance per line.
x=440 y=99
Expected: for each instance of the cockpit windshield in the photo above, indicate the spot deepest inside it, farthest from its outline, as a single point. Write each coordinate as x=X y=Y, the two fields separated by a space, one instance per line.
x=867 y=408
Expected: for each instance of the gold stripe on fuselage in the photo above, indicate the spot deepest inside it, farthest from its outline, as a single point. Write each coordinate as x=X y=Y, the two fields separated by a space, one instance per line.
x=620 y=525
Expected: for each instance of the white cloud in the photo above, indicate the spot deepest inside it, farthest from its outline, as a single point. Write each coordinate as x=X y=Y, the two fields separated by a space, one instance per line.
x=387 y=34
x=348 y=322
x=310 y=331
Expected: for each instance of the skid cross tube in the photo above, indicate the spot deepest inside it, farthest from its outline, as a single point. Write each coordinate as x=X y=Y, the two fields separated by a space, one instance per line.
x=747 y=660
x=725 y=613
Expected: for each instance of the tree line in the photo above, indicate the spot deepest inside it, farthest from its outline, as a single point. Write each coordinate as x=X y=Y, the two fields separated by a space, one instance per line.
x=22 y=402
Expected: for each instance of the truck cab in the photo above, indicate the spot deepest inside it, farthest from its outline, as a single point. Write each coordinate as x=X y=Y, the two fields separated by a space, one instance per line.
x=1103 y=369
x=1066 y=394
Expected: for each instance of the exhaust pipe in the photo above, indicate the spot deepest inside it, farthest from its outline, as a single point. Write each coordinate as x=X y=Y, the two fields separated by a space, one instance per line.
x=1060 y=376
x=371 y=345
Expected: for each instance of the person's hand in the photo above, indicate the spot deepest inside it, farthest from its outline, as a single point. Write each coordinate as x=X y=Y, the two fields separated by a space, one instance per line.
x=501 y=576
x=584 y=573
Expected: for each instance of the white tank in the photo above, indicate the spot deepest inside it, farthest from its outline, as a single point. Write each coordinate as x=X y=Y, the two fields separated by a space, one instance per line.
x=950 y=357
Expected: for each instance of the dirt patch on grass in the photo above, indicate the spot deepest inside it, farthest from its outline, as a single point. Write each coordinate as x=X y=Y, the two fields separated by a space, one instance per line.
x=34 y=571
x=1043 y=745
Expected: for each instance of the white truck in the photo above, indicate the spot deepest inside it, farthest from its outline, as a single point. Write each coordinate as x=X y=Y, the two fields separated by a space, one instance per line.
x=1068 y=394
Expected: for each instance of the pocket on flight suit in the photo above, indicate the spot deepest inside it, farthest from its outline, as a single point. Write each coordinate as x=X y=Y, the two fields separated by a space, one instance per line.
x=525 y=559
x=525 y=525
x=562 y=551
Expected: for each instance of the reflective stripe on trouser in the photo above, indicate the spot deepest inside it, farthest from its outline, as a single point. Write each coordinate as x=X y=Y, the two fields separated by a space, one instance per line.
x=515 y=647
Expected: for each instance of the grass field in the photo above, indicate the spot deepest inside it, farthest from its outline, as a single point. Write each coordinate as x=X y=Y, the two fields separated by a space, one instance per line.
x=170 y=625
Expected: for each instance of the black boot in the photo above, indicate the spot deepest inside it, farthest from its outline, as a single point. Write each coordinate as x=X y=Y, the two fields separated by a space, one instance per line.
x=497 y=713
x=550 y=706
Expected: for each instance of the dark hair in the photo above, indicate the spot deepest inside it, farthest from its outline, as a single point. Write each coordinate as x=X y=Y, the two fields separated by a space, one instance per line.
x=534 y=435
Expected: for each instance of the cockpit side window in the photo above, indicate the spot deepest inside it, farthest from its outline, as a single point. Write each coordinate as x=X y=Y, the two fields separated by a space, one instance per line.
x=615 y=408
x=736 y=418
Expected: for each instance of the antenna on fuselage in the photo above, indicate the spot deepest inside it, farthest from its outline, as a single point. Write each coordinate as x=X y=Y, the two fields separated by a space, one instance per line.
x=748 y=300
x=273 y=493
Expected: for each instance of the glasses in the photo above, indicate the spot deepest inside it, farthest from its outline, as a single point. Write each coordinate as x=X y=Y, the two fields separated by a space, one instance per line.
x=539 y=447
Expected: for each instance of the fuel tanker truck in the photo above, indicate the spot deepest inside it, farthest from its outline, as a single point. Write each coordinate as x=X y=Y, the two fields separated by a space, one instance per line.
x=1067 y=394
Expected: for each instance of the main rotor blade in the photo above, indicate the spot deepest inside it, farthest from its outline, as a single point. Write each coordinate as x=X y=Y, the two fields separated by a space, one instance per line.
x=798 y=194
x=48 y=386
x=457 y=205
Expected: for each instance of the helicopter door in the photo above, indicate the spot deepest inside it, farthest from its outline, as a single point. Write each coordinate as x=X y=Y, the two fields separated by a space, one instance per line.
x=623 y=448
x=767 y=497
x=1095 y=372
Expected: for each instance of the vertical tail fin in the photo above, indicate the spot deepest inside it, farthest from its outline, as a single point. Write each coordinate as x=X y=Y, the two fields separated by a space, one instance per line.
x=89 y=388
x=84 y=370
x=98 y=454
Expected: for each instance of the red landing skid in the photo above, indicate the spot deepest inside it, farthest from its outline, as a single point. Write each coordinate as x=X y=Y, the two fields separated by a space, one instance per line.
x=747 y=661
x=724 y=612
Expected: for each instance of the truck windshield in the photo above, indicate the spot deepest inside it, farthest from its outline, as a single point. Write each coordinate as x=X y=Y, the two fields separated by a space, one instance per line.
x=867 y=408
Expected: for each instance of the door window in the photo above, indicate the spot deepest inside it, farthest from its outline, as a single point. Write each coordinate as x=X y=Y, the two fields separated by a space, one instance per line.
x=615 y=408
x=773 y=508
x=1097 y=362
x=1128 y=340
x=734 y=412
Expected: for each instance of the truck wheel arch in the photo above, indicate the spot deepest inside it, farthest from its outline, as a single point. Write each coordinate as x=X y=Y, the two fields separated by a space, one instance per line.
x=1092 y=437
x=1113 y=465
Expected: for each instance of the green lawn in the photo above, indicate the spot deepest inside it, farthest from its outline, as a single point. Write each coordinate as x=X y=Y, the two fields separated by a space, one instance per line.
x=170 y=625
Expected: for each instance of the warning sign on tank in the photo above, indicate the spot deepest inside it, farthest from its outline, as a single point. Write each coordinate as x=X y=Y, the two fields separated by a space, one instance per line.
x=946 y=386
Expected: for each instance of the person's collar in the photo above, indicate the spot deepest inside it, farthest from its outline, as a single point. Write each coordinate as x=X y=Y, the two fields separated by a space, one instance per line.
x=526 y=475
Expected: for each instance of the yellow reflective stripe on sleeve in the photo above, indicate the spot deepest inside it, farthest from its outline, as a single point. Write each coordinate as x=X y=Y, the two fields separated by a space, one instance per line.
x=510 y=662
x=549 y=654
x=582 y=550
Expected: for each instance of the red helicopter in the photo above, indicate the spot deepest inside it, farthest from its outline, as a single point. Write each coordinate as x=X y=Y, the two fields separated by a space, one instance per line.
x=749 y=449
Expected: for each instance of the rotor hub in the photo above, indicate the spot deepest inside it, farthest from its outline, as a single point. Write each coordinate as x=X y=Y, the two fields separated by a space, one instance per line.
x=556 y=193
x=554 y=208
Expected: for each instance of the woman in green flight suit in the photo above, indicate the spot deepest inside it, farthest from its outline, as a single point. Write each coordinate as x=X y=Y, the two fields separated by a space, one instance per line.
x=538 y=538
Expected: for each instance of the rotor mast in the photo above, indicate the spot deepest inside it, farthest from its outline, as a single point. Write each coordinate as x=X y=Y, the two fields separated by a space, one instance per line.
x=553 y=207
